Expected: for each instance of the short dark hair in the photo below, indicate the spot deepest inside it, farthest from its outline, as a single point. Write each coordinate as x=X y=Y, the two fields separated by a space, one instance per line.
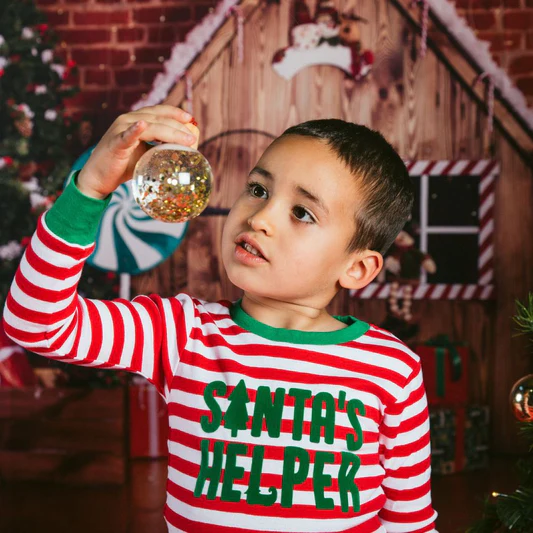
x=385 y=183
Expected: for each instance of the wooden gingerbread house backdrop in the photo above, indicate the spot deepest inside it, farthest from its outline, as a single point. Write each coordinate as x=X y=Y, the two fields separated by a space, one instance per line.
x=428 y=108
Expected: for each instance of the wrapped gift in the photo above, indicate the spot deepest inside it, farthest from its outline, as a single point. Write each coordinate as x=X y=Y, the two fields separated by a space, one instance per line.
x=148 y=420
x=442 y=429
x=459 y=438
x=15 y=369
x=477 y=437
x=445 y=369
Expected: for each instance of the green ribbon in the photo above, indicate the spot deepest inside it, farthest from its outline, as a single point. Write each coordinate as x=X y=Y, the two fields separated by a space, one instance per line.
x=443 y=346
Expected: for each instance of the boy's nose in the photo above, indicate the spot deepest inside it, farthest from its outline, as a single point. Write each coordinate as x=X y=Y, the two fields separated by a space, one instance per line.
x=261 y=222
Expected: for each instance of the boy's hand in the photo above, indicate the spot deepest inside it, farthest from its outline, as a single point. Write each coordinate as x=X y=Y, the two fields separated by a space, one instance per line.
x=114 y=158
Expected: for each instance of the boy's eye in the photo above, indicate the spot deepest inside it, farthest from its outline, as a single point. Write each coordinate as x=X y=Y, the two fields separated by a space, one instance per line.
x=257 y=190
x=302 y=214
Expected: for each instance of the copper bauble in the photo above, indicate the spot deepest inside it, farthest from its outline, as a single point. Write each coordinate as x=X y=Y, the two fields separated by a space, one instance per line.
x=522 y=399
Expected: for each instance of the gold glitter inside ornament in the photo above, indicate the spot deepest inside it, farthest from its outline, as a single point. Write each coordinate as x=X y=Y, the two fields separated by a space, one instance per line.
x=172 y=183
x=521 y=398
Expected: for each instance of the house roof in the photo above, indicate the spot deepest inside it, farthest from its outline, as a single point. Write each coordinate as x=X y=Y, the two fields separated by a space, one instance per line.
x=511 y=116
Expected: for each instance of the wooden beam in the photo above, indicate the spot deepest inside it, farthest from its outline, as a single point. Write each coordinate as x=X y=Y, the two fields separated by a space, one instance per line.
x=450 y=52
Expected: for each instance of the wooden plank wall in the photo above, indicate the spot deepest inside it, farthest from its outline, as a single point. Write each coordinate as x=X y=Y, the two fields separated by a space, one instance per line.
x=425 y=113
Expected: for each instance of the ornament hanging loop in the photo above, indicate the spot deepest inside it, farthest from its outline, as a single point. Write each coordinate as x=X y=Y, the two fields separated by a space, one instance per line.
x=188 y=93
x=423 y=25
x=489 y=95
x=237 y=11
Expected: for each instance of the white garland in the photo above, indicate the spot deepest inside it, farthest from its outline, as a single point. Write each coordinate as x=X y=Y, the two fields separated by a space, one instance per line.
x=184 y=53
x=34 y=190
x=10 y=251
x=479 y=50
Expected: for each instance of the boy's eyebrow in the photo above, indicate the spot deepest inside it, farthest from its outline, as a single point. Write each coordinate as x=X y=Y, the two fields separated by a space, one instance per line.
x=315 y=199
x=262 y=172
x=298 y=188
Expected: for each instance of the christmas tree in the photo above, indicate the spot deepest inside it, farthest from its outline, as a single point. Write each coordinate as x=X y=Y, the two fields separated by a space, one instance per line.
x=38 y=139
x=236 y=416
x=513 y=513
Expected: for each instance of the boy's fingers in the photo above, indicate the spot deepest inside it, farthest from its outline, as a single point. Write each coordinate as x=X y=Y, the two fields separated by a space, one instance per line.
x=167 y=134
x=152 y=118
x=168 y=111
x=131 y=135
x=196 y=132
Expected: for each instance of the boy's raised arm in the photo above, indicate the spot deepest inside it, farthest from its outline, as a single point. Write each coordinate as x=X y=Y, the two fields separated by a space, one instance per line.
x=43 y=311
x=406 y=457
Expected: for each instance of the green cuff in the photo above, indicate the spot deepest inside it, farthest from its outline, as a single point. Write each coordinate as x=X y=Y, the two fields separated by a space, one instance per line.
x=75 y=217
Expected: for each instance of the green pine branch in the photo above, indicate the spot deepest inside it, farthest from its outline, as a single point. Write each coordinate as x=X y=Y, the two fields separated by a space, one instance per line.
x=524 y=316
x=516 y=510
x=513 y=513
x=526 y=431
x=509 y=513
x=39 y=140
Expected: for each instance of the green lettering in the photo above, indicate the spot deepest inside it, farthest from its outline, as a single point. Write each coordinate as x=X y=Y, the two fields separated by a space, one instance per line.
x=253 y=494
x=347 y=481
x=232 y=471
x=319 y=420
x=216 y=413
x=271 y=411
x=299 y=395
x=236 y=416
x=291 y=476
x=209 y=472
x=353 y=406
x=321 y=480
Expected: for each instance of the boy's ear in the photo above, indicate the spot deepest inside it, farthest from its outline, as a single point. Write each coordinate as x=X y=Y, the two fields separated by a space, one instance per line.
x=362 y=269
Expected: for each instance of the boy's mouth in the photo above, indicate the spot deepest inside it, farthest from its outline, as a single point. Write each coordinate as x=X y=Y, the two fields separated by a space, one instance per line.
x=248 y=244
x=250 y=248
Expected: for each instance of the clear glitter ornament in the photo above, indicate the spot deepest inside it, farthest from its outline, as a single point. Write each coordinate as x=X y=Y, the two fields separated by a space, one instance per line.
x=172 y=183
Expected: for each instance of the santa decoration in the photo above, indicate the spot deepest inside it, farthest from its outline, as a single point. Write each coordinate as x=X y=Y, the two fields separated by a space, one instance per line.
x=327 y=39
x=15 y=370
x=305 y=34
x=327 y=19
x=350 y=36
x=402 y=268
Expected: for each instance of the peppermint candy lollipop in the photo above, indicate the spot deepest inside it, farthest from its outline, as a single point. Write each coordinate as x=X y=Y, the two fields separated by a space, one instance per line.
x=128 y=240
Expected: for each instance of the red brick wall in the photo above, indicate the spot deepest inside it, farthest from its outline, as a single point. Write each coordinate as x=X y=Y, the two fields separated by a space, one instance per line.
x=508 y=26
x=119 y=47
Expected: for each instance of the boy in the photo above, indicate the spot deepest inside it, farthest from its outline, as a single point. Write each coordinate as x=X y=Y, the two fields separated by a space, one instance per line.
x=282 y=417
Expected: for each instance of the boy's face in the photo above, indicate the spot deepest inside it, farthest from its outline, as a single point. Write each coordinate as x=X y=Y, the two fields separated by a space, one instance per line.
x=286 y=237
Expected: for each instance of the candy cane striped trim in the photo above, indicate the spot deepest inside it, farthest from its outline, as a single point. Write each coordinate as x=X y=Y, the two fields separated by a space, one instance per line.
x=428 y=291
x=487 y=170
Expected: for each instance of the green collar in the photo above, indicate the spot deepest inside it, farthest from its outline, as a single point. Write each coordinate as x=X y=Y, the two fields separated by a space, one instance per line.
x=356 y=328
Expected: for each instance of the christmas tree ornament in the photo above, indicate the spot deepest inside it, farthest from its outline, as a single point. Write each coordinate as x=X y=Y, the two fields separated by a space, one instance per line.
x=128 y=241
x=22 y=146
x=521 y=398
x=24 y=126
x=172 y=183
x=27 y=170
